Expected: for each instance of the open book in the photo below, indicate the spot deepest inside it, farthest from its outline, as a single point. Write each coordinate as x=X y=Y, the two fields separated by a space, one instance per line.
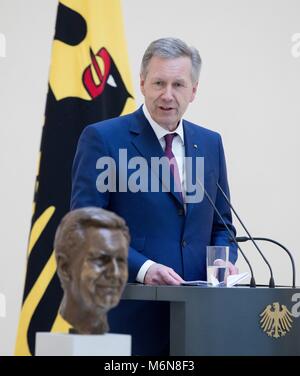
x=231 y=281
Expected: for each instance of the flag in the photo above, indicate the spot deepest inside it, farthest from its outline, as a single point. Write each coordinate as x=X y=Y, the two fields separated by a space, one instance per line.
x=89 y=81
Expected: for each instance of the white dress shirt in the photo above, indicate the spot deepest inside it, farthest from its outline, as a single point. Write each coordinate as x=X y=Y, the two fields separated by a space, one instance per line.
x=179 y=154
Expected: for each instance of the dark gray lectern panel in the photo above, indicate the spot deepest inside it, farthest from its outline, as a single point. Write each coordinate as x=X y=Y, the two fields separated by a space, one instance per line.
x=223 y=321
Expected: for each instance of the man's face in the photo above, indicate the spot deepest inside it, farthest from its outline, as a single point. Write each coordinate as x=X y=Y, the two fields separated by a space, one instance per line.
x=102 y=270
x=168 y=89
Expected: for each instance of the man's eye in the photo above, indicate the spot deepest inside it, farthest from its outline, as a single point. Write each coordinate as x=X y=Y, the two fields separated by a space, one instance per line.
x=158 y=83
x=177 y=84
x=101 y=261
x=98 y=262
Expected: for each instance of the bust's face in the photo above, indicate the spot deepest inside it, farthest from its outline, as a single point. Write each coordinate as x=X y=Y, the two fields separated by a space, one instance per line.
x=100 y=273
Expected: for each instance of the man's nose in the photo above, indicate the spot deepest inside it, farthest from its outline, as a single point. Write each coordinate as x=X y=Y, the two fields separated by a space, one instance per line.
x=167 y=94
x=113 y=268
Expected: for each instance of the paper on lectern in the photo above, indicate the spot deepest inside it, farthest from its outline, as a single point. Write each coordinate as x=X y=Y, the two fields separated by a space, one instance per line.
x=231 y=281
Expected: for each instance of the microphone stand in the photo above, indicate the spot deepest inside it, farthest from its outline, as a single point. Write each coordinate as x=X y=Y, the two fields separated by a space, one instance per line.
x=232 y=237
x=271 y=283
x=245 y=238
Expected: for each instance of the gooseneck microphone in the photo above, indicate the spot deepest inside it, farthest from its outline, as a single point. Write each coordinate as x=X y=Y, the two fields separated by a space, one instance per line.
x=232 y=237
x=245 y=239
x=271 y=282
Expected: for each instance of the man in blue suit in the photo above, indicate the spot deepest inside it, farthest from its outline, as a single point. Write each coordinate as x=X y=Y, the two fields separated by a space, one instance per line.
x=169 y=231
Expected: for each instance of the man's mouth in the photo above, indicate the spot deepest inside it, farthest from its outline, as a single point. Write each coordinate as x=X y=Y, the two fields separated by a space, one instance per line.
x=166 y=109
x=105 y=287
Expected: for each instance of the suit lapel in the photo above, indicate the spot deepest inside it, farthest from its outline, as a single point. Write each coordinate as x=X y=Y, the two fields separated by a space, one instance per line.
x=145 y=140
x=146 y=143
x=194 y=147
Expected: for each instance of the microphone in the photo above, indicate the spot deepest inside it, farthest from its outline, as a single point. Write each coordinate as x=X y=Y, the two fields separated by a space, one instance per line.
x=232 y=237
x=271 y=282
x=245 y=239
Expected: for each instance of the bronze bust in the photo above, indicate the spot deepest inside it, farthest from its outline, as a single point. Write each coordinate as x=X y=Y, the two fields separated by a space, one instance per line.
x=91 y=248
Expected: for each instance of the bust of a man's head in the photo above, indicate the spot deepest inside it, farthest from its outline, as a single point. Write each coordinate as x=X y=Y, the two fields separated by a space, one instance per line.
x=91 y=248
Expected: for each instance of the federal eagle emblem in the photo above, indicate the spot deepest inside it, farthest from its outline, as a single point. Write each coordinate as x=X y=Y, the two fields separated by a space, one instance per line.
x=276 y=321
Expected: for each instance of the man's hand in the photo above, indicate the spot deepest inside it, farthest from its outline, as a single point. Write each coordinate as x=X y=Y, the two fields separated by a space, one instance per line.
x=232 y=269
x=159 y=274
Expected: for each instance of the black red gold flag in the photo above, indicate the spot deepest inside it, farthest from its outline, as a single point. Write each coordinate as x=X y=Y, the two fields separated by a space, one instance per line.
x=89 y=81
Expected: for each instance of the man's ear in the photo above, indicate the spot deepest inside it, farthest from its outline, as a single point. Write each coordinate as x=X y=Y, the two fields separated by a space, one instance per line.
x=194 y=92
x=142 y=82
x=63 y=267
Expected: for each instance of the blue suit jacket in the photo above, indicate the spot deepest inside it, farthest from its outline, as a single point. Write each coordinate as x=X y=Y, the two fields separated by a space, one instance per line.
x=159 y=228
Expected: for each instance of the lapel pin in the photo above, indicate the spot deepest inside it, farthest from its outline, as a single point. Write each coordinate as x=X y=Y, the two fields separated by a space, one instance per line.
x=195 y=146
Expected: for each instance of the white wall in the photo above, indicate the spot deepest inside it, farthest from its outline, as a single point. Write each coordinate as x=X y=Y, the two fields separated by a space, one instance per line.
x=249 y=92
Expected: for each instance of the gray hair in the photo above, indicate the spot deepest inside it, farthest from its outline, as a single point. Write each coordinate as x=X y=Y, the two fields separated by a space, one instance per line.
x=171 y=48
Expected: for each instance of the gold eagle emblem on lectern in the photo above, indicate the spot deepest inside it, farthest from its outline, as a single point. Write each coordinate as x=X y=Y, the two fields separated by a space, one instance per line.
x=276 y=320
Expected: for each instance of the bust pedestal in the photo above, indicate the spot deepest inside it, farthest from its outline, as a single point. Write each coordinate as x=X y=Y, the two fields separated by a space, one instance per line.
x=58 y=344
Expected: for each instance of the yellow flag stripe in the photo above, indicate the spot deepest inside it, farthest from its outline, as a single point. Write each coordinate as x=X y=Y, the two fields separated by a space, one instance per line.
x=39 y=227
x=36 y=181
x=30 y=304
x=60 y=325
